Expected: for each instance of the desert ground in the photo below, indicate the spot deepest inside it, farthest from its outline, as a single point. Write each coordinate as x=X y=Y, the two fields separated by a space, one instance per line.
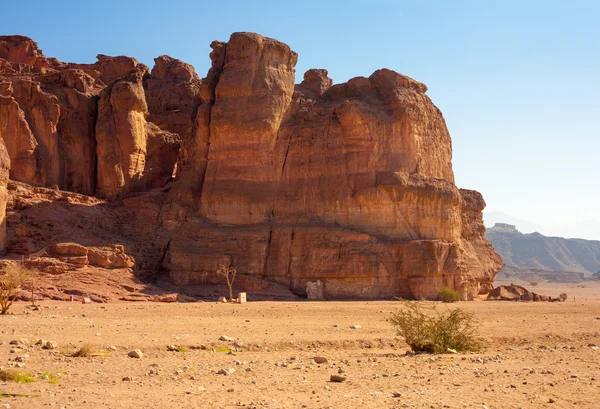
x=537 y=355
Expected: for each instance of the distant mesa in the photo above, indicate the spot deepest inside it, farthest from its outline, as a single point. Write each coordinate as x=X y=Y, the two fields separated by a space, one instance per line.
x=555 y=258
x=350 y=184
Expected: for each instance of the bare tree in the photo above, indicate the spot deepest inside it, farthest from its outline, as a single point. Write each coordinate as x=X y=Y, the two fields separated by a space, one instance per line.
x=229 y=273
x=10 y=280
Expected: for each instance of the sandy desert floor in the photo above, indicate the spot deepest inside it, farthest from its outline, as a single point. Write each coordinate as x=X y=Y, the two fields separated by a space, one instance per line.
x=538 y=355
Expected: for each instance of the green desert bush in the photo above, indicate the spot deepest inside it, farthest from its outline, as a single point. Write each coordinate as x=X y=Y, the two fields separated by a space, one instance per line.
x=14 y=375
x=435 y=331
x=448 y=295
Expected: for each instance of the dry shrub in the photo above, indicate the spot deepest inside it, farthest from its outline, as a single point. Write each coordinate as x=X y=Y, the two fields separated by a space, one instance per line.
x=14 y=375
x=436 y=332
x=448 y=294
x=85 y=351
x=13 y=276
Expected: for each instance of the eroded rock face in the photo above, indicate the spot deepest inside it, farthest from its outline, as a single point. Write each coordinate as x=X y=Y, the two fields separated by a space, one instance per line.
x=349 y=184
x=121 y=134
x=4 y=170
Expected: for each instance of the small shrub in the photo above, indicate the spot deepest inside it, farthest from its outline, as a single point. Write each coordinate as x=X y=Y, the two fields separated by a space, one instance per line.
x=10 y=280
x=436 y=332
x=85 y=351
x=448 y=295
x=14 y=375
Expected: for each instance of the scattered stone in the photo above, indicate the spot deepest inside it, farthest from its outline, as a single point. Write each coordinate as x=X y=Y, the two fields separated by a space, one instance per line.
x=172 y=348
x=336 y=325
x=50 y=345
x=550 y=400
x=238 y=344
x=226 y=338
x=112 y=348
x=230 y=390
x=41 y=342
x=452 y=351
x=222 y=299
x=127 y=379
x=320 y=360
x=355 y=326
x=225 y=371
x=396 y=394
x=337 y=378
x=136 y=353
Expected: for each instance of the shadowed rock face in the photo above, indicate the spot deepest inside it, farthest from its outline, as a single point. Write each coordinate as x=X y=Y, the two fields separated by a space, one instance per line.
x=350 y=184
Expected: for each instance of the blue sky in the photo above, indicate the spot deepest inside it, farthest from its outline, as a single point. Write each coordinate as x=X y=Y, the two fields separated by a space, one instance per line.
x=518 y=81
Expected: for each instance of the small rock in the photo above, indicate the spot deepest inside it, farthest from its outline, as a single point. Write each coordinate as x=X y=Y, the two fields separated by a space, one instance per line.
x=127 y=379
x=41 y=342
x=222 y=299
x=21 y=358
x=337 y=378
x=320 y=359
x=50 y=345
x=238 y=344
x=225 y=371
x=550 y=400
x=341 y=370
x=136 y=353
x=112 y=348
x=336 y=325
x=172 y=348
x=355 y=326
x=230 y=390
x=226 y=338
x=452 y=351
x=396 y=394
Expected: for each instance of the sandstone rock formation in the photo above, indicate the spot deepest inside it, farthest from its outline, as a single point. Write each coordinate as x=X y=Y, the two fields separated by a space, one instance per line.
x=4 y=167
x=348 y=184
x=515 y=292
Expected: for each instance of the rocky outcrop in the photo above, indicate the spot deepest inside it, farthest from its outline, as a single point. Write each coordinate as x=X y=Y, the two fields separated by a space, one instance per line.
x=350 y=185
x=515 y=292
x=4 y=171
x=121 y=134
x=18 y=49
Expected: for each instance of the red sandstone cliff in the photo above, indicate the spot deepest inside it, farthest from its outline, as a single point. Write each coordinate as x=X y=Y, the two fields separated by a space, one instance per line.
x=351 y=184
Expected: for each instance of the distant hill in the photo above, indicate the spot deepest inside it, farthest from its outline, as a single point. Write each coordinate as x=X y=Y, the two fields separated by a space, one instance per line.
x=536 y=251
x=585 y=229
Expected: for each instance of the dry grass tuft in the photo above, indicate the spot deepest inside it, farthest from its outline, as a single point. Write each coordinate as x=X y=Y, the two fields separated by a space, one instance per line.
x=85 y=351
x=14 y=375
